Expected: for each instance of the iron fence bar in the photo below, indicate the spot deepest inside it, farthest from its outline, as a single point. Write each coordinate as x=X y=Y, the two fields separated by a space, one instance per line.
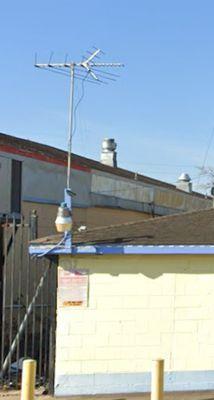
x=12 y=294
x=28 y=312
x=1 y=268
x=10 y=242
x=21 y=306
x=52 y=330
x=27 y=297
x=19 y=296
x=5 y=238
x=23 y=323
x=41 y=329
x=47 y=312
x=34 y=309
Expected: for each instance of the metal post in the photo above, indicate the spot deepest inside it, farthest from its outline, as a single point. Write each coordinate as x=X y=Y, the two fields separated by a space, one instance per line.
x=157 y=380
x=1 y=265
x=52 y=313
x=28 y=380
x=12 y=285
x=1 y=244
x=70 y=124
x=33 y=225
x=4 y=291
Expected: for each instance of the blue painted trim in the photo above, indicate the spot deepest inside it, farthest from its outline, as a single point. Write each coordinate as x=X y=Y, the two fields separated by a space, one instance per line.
x=112 y=383
x=170 y=249
x=68 y=198
x=68 y=201
x=51 y=250
x=124 y=249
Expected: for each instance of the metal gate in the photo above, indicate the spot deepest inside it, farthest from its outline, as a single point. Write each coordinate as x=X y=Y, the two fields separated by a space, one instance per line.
x=27 y=312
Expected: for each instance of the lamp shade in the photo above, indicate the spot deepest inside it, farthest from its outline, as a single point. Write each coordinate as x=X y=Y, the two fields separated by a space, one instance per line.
x=63 y=220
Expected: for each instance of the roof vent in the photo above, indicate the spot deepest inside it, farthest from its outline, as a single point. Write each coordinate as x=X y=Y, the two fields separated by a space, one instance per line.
x=108 y=154
x=184 y=182
x=184 y=177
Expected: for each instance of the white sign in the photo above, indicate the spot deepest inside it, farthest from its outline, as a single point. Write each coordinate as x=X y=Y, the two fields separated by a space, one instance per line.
x=72 y=288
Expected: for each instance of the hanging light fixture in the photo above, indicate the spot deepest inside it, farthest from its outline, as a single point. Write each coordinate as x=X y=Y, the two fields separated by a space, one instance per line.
x=64 y=219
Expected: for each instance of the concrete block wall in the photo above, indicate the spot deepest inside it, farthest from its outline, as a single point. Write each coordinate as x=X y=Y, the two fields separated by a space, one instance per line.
x=140 y=308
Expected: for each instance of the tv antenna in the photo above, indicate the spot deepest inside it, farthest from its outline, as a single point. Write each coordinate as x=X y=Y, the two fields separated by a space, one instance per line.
x=88 y=69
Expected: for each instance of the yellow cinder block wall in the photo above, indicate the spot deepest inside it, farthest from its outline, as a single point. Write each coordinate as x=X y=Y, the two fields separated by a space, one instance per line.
x=140 y=308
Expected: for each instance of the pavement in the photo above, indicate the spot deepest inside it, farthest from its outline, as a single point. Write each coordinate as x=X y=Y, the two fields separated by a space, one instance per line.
x=204 y=395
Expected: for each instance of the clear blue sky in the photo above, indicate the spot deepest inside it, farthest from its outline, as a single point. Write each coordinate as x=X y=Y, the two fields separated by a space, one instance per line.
x=160 y=111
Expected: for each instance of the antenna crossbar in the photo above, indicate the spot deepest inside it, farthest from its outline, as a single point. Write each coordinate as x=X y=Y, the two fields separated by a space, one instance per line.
x=85 y=70
x=95 y=64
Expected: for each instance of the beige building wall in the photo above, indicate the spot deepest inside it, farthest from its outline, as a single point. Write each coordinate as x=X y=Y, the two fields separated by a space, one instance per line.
x=101 y=216
x=131 y=190
x=91 y=217
x=46 y=216
x=139 y=308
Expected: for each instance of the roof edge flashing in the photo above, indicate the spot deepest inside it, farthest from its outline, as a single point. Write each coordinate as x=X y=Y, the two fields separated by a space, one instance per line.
x=121 y=249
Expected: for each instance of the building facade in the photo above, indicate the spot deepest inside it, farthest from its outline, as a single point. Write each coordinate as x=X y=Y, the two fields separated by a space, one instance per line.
x=140 y=307
x=131 y=293
x=33 y=176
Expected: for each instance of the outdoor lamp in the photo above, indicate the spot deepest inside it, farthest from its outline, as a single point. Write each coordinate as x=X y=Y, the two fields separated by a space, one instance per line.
x=63 y=220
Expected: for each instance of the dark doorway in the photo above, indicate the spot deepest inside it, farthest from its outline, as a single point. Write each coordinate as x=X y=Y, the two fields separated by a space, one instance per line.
x=16 y=186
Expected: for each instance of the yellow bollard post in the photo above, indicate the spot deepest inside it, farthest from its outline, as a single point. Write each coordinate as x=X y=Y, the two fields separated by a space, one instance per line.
x=157 y=385
x=28 y=380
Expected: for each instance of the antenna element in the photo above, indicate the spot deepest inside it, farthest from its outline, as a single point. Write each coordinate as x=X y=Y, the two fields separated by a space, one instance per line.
x=79 y=70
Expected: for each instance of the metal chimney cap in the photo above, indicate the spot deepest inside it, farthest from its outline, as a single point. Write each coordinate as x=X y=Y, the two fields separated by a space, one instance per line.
x=109 y=144
x=184 y=177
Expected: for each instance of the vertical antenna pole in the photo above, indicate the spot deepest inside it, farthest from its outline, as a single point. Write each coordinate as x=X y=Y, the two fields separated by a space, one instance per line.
x=85 y=66
x=70 y=125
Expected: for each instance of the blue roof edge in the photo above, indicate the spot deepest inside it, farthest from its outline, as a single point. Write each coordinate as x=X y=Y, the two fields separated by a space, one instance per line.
x=100 y=249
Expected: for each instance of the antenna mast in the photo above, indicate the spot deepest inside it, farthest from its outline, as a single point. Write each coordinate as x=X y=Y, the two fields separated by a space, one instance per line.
x=87 y=70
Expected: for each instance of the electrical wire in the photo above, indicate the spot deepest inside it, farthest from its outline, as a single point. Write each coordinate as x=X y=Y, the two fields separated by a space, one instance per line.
x=54 y=247
x=208 y=148
x=206 y=154
x=78 y=103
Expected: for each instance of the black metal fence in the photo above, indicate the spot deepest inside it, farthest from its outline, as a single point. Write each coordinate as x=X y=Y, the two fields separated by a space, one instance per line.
x=27 y=305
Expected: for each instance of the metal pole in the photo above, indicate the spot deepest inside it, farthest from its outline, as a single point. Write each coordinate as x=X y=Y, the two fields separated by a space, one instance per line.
x=33 y=225
x=28 y=380
x=12 y=282
x=157 y=380
x=4 y=290
x=85 y=66
x=20 y=279
x=70 y=124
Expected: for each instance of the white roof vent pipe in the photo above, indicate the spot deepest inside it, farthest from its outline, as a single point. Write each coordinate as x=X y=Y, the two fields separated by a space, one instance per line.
x=184 y=182
x=108 y=154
